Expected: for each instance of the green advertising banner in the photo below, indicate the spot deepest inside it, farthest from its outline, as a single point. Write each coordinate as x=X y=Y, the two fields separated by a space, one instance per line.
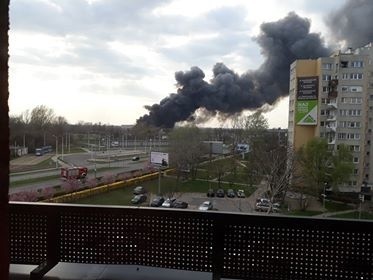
x=306 y=112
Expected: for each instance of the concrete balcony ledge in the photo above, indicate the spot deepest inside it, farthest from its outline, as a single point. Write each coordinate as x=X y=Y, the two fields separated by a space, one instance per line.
x=73 y=271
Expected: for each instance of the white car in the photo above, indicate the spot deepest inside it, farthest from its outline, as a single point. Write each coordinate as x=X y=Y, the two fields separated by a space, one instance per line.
x=207 y=205
x=168 y=203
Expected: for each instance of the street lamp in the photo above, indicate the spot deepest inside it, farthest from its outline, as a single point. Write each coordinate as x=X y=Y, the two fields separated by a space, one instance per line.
x=56 y=150
x=324 y=196
x=361 y=200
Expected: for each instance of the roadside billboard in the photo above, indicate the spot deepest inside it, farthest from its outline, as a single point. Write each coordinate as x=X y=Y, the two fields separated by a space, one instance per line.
x=306 y=109
x=159 y=158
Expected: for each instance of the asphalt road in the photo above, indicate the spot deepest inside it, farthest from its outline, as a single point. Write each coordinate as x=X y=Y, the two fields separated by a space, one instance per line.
x=112 y=163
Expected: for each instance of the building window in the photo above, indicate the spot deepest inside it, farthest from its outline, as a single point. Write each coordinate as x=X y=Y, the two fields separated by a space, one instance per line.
x=322 y=112
x=344 y=88
x=356 y=89
x=322 y=123
x=355 y=148
x=326 y=77
x=356 y=171
x=327 y=66
x=325 y=89
x=356 y=76
x=356 y=100
x=356 y=160
x=345 y=76
x=344 y=64
x=353 y=124
x=353 y=136
x=341 y=135
x=357 y=64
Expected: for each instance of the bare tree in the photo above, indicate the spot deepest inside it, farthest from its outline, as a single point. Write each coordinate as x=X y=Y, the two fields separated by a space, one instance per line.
x=186 y=149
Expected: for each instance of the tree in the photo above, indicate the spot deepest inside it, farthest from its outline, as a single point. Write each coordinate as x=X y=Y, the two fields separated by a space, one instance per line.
x=314 y=161
x=249 y=129
x=41 y=119
x=186 y=149
x=319 y=165
x=219 y=167
x=342 y=166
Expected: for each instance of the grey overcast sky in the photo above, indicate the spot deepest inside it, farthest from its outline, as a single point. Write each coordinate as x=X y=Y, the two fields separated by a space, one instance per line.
x=103 y=60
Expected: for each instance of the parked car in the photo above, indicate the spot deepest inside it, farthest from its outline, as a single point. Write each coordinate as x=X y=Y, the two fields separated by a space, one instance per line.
x=206 y=205
x=220 y=193
x=264 y=207
x=210 y=193
x=157 y=201
x=135 y=158
x=139 y=190
x=264 y=200
x=168 y=203
x=241 y=193
x=180 y=204
x=231 y=193
x=139 y=198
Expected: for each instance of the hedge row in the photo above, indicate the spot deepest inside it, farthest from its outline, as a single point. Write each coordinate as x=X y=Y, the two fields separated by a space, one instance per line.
x=101 y=189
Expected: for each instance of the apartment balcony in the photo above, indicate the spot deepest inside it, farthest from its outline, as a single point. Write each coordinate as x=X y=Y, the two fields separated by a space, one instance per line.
x=332 y=105
x=75 y=242
x=331 y=118
x=329 y=128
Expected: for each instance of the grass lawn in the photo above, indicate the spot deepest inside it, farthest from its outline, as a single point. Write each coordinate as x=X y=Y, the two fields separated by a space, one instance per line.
x=336 y=207
x=31 y=181
x=121 y=196
x=45 y=164
x=355 y=215
x=168 y=185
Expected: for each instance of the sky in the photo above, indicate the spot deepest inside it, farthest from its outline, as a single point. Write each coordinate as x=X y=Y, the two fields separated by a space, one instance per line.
x=103 y=60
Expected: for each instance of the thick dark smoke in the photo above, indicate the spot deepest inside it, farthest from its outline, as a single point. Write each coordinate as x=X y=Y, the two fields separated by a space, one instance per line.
x=281 y=43
x=353 y=23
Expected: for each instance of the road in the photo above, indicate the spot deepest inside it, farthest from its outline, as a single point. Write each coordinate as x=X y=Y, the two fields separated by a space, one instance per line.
x=106 y=164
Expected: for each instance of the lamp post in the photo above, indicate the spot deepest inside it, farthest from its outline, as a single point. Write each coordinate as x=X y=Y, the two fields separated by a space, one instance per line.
x=361 y=200
x=56 y=150
x=324 y=196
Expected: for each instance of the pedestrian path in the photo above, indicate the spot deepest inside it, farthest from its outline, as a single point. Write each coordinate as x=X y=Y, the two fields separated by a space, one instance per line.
x=329 y=214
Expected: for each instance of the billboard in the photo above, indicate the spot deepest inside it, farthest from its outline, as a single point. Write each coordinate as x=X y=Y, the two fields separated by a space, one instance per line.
x=159 y=158
x=308 y=88
x=306 y=112
x=307 y=99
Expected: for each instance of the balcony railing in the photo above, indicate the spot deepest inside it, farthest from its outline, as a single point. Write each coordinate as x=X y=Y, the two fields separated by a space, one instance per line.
x=226 y=244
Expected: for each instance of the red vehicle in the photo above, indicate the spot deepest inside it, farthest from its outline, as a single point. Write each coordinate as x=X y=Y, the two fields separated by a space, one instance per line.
x=74 y=172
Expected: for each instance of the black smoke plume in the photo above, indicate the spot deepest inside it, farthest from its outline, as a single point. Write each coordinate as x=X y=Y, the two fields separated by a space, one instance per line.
x=281 y=43
x=353 y=23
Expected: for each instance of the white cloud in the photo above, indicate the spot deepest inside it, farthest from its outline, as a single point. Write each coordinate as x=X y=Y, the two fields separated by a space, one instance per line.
x=82 y=57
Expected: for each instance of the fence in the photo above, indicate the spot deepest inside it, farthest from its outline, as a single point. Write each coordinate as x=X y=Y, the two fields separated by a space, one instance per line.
x=226 y=244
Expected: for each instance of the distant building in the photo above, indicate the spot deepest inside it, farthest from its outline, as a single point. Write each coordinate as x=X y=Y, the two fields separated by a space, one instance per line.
x=216 y=147
x=332 y=98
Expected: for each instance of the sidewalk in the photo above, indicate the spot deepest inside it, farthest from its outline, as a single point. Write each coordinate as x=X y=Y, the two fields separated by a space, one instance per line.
x=329 y=214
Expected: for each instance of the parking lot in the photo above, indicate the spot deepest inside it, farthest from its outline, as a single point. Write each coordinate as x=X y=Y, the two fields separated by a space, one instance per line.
x=219 y=203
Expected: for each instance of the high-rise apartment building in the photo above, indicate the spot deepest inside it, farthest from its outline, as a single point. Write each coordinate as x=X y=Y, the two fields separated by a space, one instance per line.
x=332 y=98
